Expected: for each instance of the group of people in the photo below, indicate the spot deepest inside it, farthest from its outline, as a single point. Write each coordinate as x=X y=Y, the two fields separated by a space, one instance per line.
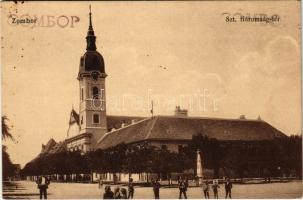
x=122 y=193
x=182 y=184
x=119 y=193
x=215 y=187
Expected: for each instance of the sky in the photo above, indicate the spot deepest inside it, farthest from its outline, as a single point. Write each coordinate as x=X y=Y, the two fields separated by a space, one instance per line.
x=174 y=53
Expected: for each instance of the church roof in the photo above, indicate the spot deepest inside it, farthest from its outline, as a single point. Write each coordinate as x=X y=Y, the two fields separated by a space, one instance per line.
x=183 y=128
x=92 y=60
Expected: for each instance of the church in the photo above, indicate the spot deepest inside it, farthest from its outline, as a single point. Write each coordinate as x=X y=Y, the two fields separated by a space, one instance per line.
x=91 y=128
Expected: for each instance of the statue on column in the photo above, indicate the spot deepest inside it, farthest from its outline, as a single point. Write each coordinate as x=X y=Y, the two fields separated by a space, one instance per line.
x=199 y=168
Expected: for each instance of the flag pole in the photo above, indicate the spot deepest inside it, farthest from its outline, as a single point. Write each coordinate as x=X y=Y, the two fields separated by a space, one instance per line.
x=152 y=109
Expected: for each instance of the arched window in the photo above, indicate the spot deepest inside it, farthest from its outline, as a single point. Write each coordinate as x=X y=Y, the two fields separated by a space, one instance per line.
x=95 y=93
x=96 y=119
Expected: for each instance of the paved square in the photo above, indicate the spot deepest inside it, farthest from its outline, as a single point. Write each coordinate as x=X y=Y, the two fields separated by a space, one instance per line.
x=28 y=190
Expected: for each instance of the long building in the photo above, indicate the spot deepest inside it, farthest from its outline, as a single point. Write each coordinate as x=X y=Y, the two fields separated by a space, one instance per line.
x=91 y=128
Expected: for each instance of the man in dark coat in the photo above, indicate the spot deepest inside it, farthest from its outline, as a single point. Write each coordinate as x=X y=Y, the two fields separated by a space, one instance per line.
x=43 y=183
x=108 y=193
x=182 y=188
x=205 y=188
x=131 y=189
x=156 y=188
x=228 y=186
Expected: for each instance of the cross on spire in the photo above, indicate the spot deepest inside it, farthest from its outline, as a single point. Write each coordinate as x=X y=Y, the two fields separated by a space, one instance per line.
x=90 y=38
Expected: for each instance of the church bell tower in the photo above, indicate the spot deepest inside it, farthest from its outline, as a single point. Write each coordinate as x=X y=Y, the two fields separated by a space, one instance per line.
x=91 y=76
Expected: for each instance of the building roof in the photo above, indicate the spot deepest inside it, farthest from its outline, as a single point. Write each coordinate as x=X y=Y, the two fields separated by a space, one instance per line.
x=59 y=147
x=183 y=128
x=50 y=148
x=50 y=144
x=53 y=147
x=117 y=121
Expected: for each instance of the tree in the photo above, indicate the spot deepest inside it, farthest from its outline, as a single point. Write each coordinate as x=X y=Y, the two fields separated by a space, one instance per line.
x=97 y=160
x=114 y=158
x=288 y=154
x=75 y=163
x=5 y=129
x=138 y=158
x=213 y=153
x=8 y=166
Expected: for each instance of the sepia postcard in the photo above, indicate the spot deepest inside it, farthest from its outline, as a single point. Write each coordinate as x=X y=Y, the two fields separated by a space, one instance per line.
x=151 y=99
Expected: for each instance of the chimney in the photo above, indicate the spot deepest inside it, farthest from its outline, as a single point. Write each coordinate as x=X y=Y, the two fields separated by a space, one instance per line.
x=180 y=112
x=242 y=117
x=122 y=125
x=133 y=121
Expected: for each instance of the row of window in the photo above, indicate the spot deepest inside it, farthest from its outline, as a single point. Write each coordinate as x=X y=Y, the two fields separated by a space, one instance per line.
x=77 y=148
x=180 y=147
x=96 y=93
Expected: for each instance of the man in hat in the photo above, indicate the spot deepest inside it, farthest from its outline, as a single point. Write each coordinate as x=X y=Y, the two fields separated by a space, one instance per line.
x=43 y=183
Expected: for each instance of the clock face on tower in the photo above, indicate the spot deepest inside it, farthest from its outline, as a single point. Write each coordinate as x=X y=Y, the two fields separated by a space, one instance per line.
x=95 y=75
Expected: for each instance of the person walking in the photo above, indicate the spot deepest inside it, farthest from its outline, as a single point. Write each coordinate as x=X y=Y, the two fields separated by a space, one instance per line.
x=228 y=186
x=108 y=194
x=205 y=188
x=117 y=194
x=43 y=183
x=131 y=189
x=123 y=193
x=215 y=189
x=156 y=188
x=182 y=188
x=100 y=183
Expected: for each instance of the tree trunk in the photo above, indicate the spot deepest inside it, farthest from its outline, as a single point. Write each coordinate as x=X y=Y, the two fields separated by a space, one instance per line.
x=169 y=179
x=114 y=177
x=129 y=175
x=216 y=172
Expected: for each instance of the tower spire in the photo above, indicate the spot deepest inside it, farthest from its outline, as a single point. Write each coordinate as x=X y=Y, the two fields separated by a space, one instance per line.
x=90 y=38
x=90 y=18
